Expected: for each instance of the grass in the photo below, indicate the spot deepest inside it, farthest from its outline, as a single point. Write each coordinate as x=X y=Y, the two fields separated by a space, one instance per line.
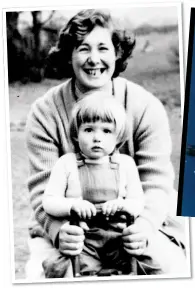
x=152 y=70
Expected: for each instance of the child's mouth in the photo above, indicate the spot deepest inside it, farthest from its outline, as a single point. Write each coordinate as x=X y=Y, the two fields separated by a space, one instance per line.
x=96 y=148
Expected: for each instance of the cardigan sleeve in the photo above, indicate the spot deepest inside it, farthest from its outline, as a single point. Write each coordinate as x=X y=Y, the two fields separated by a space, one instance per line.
x=152 y=153
x=43 y=153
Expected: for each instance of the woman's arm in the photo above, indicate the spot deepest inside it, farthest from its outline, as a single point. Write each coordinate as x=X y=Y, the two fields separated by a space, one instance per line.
x=134 y=197
x=152 y=153
x=43 y=148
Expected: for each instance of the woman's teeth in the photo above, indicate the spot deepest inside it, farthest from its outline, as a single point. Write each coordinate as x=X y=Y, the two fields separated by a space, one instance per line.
x=94 y=72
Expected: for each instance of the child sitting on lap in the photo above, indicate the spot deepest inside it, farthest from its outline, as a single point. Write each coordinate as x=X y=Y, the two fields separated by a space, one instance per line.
x=94 y=182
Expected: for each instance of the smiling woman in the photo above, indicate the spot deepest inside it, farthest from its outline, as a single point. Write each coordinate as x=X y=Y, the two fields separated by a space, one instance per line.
x=92 y=52
x=93 y=43
x=94 y=60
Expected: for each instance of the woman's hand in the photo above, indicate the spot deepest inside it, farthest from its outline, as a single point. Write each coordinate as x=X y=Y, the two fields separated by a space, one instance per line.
x=71 y=239
x=84 y=209
x=137 y=236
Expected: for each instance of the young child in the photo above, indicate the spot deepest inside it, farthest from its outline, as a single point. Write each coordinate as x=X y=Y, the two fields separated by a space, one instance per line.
x=96 y=181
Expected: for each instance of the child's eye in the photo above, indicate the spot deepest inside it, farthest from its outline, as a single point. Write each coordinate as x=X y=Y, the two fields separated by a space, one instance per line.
x=88 y=130
x=107 y=131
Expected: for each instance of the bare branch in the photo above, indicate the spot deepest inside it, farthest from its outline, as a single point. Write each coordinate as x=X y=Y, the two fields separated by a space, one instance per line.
x=48 y=18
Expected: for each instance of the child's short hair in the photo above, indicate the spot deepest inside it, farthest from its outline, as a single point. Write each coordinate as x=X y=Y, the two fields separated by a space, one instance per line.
x=99 y=107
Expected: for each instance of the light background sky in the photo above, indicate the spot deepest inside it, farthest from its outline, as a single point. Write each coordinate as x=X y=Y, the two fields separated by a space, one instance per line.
x=155 y=16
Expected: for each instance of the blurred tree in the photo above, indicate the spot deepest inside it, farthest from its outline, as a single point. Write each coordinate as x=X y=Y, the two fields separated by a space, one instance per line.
x=25 y=54
x=15 y=51
x=37 y=52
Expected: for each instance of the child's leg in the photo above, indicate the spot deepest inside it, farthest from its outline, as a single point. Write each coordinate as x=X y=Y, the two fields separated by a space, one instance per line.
x=162 y=256
x=57 y=265
x=40 y=249
x=89 y=264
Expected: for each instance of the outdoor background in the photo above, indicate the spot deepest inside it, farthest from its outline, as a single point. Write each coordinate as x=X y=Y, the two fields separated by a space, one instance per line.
x=30 y=35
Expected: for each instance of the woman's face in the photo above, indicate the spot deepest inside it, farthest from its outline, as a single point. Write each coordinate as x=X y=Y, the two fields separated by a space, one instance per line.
x=94 y=59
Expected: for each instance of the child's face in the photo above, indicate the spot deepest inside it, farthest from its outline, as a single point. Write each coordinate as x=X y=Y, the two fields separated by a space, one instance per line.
x=97 y=139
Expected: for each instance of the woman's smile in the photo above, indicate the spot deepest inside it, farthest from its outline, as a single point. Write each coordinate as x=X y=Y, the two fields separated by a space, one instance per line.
x=94 y=72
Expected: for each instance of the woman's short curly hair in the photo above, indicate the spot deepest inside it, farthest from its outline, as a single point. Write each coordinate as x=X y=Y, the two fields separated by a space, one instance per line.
x=74 y=33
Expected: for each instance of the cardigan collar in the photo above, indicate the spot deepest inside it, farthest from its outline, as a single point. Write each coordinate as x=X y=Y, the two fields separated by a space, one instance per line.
x=78 y=93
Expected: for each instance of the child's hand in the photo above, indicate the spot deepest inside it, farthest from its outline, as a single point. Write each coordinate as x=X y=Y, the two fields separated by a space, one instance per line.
x=112 y=206
x=131 y=206
x=84 y=209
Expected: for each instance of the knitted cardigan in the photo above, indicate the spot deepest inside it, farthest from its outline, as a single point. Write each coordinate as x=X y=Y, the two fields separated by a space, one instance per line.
x=149 y=144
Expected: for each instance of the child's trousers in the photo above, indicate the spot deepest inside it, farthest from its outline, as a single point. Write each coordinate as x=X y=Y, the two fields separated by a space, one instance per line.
x=162 y=256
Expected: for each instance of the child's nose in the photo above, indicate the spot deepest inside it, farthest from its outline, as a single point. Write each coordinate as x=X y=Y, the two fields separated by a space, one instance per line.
x=97 y=137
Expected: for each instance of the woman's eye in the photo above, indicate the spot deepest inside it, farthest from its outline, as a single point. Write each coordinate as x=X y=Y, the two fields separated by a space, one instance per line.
x=103 y=48
x=82 y=49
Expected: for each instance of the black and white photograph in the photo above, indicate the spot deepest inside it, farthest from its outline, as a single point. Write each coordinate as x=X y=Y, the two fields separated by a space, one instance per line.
x=95 y=92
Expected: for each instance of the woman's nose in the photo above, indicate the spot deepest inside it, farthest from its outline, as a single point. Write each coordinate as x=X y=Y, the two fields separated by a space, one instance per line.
x=94 y=58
